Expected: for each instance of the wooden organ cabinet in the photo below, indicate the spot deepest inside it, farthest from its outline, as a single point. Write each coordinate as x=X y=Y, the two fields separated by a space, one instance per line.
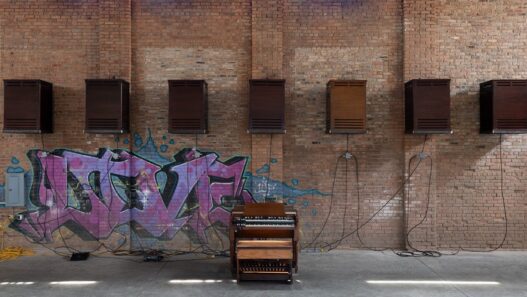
x=264 y=242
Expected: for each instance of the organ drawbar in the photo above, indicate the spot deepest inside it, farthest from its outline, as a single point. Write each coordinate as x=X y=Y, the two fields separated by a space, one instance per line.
x=264 y=242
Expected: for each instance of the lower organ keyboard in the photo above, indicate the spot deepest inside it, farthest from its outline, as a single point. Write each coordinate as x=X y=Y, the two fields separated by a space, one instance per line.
x=281 y=226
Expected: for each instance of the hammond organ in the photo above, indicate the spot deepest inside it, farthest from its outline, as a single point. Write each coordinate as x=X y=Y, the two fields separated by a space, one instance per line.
x=264 y=242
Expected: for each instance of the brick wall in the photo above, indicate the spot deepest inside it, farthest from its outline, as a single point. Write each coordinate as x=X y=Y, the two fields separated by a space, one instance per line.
x=345 y=40
x=469 y=42
x=307 y=43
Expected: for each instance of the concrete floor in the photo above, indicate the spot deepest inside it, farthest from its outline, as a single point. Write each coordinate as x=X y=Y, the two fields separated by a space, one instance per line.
x=339 y=273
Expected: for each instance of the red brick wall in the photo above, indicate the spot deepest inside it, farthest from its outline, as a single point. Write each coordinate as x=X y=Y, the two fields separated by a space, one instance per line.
x=326 y=40
x=469 y=42
x=307 y=43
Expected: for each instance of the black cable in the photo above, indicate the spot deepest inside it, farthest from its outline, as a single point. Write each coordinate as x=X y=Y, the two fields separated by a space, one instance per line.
x=345 y=191
x=415 y=251
x=376 y=212
x=54 y=250
x=330 y=204
x=188 y=186
x=269 y=170
x=197 y=211
x=108 y=216
x=108 y=178
x=115 y=251
x=420 y=253
x=504 y=210
x=251 y=160
x=68 y=247
x=330 y=245
x=222 y=251
x=55 y=199
x=345 y=200
x=359 y=209
x=202 y=245
x=421 y=157
x=101 y=244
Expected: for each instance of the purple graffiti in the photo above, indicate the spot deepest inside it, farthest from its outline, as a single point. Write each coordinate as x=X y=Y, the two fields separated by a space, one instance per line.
x=97 y=193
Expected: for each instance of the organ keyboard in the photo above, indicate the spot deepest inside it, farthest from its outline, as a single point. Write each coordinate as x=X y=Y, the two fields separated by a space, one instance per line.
x=264 y=242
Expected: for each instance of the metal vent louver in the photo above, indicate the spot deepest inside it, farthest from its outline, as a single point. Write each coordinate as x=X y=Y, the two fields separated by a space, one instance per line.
x=21 y=83
x=341 y=83
x=431 y=83
x=432 y=124
x=267 y=83
x=512 y=124
x=186 y=124
x=266 y=123
x=427 y=106
x=188 y=83
x=28 y=106
x=349 y=124
x=107 y=106
x=503 y=106
x=187 y=111
x=21 y=124
x=266 y=107
x=102 y=124
x=346 y=107
x=511 y=83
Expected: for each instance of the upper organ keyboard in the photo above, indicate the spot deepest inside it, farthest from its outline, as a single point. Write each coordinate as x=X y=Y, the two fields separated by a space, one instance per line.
x=265 y=222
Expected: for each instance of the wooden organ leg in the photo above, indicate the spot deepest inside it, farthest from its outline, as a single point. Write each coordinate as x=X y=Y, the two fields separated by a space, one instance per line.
x=232 y=247
x=295 y=256
x=238 y=270
x=290 y=281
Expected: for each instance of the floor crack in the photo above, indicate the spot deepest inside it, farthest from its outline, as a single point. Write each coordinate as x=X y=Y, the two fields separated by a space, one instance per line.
x=441 y=278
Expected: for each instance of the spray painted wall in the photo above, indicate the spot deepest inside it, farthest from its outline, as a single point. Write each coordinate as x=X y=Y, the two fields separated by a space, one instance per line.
x=95 y=194
x=307 y=43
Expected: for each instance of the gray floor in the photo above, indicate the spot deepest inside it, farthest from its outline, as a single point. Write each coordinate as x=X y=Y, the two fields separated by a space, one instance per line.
x=339 y=273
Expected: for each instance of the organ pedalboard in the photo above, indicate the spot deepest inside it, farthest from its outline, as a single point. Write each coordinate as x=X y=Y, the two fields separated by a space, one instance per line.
x=264 y=242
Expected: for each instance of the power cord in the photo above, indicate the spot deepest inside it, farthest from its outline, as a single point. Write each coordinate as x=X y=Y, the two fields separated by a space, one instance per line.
x=415 y=252
x=359 y=209
x=506 y=219
x=331 y=245
x=339 y=158
x=347 y=156
x=269 y=170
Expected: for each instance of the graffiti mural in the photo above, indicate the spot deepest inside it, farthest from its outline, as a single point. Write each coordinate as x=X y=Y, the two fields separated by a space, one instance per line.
x=145 y=191
x=97 y=193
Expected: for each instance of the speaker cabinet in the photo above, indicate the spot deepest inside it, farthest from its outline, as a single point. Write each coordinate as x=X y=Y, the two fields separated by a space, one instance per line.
x=266 y=106
x=346 y=107
x=503 y=106
x=427 y=106
x=28 y=106
x=187 y=107
x=107 y=103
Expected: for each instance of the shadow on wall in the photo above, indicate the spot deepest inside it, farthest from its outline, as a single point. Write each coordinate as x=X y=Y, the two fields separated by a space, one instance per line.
x=466 y=196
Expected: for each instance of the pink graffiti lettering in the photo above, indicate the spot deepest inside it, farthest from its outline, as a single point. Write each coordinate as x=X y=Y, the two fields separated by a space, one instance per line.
x=98 y=193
